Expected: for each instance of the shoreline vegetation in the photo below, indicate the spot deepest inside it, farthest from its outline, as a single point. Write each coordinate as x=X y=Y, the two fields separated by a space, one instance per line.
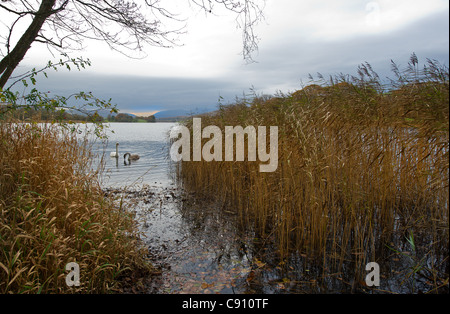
x=53 y=212
x=363 y=173
x=44 y=115
x=363 y=176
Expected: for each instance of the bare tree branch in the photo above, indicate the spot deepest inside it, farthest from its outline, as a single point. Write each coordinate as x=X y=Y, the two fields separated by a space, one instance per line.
x=126 y=26
x=12 y=59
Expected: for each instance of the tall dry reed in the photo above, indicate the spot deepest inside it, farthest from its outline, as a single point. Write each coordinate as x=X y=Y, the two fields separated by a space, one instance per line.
x=52 y=212
x=360 y=166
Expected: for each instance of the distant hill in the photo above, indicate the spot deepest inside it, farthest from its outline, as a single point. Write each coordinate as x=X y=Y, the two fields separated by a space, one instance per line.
x=172 y=113
x=167 y=115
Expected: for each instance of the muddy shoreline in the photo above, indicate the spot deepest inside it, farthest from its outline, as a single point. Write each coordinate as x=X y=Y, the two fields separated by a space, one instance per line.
x=193 y=249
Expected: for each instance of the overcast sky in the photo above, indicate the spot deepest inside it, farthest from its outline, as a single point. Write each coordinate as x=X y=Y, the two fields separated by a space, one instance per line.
x=298 y=37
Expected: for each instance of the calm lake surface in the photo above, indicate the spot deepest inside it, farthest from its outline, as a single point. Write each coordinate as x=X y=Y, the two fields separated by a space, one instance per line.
x=150 y=142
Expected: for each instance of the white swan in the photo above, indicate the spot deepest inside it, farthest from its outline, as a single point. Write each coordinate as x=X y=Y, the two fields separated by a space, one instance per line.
x=116 y=153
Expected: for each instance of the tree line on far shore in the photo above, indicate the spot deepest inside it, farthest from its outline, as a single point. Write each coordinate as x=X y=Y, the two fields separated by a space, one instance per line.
x=28 y=114
x=123 y=117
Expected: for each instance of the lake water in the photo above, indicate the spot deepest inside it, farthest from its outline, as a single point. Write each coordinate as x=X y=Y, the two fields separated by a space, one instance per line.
x=149 y=141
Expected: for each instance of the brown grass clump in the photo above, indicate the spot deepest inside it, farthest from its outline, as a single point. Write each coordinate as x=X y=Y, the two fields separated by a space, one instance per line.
x=360 y=167
x=53 y=212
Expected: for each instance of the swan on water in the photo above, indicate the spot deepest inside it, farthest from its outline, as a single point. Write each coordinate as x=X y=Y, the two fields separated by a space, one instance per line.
x=130 y=156
x=116 y=153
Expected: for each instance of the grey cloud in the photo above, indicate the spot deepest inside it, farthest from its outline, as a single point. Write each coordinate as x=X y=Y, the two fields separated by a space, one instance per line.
x=281 y=65
x=135 y=93
x=292 y=59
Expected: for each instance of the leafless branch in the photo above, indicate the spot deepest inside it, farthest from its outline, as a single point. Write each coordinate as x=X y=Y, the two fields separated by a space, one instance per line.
x=126 y=26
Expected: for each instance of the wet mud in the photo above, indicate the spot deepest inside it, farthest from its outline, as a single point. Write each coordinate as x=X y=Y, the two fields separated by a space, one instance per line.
x=197 y=249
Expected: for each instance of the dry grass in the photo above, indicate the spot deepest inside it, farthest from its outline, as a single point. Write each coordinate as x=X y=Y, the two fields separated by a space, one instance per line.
x=359 y=167
x=53 y=212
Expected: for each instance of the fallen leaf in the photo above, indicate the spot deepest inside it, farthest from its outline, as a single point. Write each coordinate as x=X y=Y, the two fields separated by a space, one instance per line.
x=207 y=285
